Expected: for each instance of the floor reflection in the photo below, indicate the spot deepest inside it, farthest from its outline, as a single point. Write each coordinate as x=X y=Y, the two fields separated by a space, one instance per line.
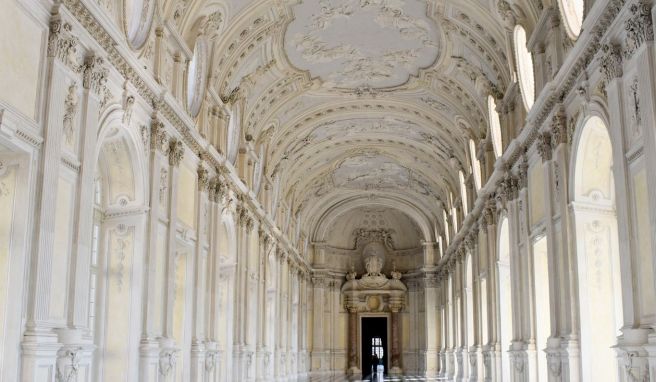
x=405 y=378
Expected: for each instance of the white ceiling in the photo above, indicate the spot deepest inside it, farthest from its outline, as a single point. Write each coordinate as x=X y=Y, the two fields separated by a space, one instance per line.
x=362 y=101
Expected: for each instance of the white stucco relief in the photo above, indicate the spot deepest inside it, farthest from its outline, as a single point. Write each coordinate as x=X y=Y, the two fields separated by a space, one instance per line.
x=370 y=43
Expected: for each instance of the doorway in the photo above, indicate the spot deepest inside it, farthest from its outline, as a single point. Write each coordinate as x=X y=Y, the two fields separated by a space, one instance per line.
x=374 y=342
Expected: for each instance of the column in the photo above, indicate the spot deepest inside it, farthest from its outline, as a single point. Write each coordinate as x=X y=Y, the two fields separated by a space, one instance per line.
x=395 y=367
x=353 y=369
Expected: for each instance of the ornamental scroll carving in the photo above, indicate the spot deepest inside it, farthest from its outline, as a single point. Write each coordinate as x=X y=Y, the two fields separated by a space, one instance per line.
x=62 y=44
x=639 y=28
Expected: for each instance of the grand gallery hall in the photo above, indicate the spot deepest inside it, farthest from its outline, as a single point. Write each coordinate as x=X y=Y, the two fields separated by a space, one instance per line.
x=327 y=190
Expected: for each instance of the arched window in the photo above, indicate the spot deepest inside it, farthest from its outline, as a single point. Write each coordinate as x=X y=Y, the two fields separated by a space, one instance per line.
x=505 y=297
x=138 y=21
x=476 y=164
x=197 y=77
x=463 y=193
x=495 y=126
x=446 y=227
x=572 y=12
x=524 y=67
x=541 y=303
x=469 y=296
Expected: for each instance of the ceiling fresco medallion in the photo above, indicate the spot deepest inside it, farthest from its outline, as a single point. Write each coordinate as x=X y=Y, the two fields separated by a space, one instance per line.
x=362 y=44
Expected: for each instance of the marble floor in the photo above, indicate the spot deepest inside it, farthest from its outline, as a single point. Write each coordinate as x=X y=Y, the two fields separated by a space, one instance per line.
x=405 y=378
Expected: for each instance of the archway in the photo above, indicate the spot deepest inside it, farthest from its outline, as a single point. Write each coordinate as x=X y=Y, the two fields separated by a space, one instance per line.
x=225 y=295
x=115 y=243
x=541 y=303
x=597 y=251
x=505 y=297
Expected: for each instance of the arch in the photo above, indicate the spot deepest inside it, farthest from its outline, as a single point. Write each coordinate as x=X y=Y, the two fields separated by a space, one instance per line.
x=469 y=296
x=495 y=127
x=224 y=316
x=325 y=218
x=505 y=296
x=126 y=141
x=541 y=304
x=116 y=239
x=597 y=250
x=525 y=68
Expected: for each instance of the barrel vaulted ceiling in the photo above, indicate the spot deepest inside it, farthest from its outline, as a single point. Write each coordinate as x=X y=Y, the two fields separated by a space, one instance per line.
x=357 y=102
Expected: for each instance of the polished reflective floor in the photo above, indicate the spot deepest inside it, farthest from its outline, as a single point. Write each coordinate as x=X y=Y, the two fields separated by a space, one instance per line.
x=408 y=378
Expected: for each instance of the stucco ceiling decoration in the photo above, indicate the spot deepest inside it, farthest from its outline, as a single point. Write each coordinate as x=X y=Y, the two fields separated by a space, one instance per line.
x=370 y=171
x=362 y=44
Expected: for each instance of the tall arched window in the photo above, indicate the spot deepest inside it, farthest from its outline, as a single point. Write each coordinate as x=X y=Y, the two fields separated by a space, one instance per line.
x=469 y=296
x=463 y=193
x=476 y=164
x=505 y=297
x=197 y=77
x=572 y=12
x=541 y=303
x=524 y=67
x=597 y=251
x=446 y=227
x=495 y=126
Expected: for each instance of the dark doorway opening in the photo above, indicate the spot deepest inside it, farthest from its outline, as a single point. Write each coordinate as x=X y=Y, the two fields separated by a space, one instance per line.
x=374 y=343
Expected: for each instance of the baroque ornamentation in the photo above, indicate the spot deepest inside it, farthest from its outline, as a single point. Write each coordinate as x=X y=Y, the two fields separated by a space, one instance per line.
x=70 y=112
x=157 y=136
x=203 y=179
x=167 y=361
x=544 y=146
x=555 y=364
x=639 y=28
x=62 y=44
x=409 y=45
x=176 y=152
x=611 y=62
x=94 y=75
x=68 y=363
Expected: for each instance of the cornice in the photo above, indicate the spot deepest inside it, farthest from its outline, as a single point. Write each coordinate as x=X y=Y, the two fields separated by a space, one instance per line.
x=548 y=100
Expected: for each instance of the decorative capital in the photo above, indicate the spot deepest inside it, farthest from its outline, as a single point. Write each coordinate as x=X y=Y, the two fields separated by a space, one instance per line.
x=611 y=62
x=176 y=152
x=94 y=75
x=522 y=174
x=157 y=135
x=203 y=179
x=62 y=44
x=544 y=146
x=559 y=129
x=638 y=27
x=490 y=211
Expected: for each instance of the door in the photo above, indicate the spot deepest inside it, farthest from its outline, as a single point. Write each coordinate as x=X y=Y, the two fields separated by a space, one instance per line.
x=374 y=342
